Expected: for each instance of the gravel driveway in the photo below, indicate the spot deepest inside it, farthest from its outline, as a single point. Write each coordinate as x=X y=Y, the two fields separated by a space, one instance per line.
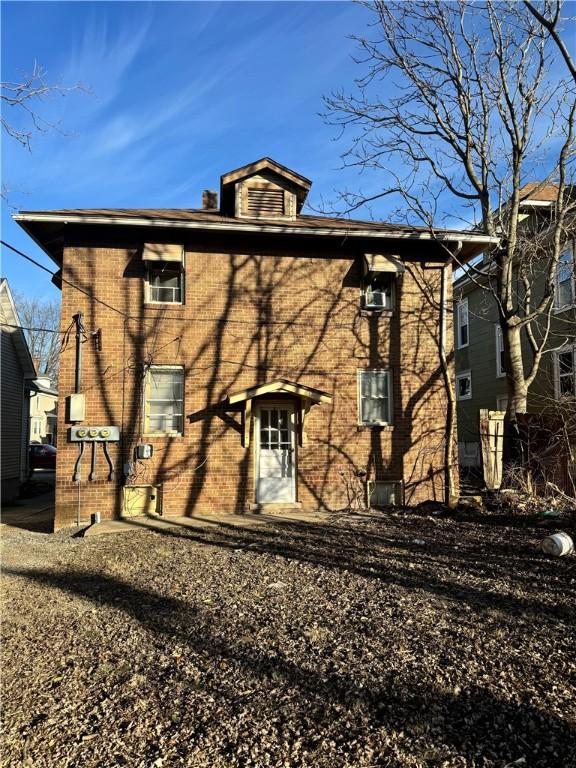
x=404 y=640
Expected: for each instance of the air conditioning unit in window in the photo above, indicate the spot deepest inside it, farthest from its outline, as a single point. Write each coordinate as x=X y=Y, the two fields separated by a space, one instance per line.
x=385 y=493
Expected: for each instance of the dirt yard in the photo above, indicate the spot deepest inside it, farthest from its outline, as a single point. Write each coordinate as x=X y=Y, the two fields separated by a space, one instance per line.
x=404 y=640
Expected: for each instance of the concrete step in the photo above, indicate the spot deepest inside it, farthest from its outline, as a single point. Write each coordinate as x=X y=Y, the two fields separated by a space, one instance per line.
x=273 y=508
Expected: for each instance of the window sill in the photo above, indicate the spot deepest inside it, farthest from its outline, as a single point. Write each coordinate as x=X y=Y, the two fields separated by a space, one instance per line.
x=367 y=312
x=162 y=434
x=382 y=427
x=164 y=303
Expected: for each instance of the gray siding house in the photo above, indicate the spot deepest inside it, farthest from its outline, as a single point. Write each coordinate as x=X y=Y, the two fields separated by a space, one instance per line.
x=480 y=366
x=16 y=374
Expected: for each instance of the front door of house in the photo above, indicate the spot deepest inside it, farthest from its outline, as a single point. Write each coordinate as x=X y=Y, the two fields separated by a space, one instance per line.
x=275 y=460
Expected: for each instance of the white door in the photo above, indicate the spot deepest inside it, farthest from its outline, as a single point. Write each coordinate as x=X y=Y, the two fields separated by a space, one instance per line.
x=276 y=477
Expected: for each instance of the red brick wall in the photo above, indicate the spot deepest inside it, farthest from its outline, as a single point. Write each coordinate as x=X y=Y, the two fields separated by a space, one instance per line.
x=248 y=319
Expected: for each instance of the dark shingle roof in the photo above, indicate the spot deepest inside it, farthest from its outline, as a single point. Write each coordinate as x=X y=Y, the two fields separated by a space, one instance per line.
x=214 y=216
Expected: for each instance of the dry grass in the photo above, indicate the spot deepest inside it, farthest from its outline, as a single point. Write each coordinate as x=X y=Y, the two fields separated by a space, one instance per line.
x=343 y=644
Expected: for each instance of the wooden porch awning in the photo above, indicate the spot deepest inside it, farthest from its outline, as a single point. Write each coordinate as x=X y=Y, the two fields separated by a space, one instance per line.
x=308 y=397
x=376 y=263
x=281 y=386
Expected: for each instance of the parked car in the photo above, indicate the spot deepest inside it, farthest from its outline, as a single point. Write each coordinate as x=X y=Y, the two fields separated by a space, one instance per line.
x=42 y=457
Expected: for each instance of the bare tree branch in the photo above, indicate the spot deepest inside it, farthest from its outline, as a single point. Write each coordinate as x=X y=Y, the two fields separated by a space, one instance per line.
x=25 y=96
x=463 y=97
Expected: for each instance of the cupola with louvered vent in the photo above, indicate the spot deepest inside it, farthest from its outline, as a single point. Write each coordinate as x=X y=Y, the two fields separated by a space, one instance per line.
x=263 y=190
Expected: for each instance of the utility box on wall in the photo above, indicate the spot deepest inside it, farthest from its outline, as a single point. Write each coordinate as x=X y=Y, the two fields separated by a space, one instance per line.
x=140 y=500
x=75 y=407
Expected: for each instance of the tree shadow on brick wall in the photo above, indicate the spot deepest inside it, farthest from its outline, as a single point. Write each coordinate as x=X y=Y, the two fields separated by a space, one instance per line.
x=270 y=316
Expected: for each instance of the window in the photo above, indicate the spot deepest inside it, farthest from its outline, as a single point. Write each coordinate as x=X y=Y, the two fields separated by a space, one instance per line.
x=375 y=397
x=164 y=400
x=165 y=284
x=462 y=333
x=565 y=370
x=565 y=281
x=384 y=493
x=500 y=358
x=502 y=403
x=377 y=291
x=469 y=454
x=464 y=386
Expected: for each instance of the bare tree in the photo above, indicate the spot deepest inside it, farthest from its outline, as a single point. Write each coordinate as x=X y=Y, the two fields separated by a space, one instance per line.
x=457 y=106
x=41 y=320
x=23 y=99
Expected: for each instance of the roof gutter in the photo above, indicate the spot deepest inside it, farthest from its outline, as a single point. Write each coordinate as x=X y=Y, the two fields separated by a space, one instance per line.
x=259 y=228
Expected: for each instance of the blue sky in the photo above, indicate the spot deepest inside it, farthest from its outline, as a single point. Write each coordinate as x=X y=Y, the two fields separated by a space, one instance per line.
x=180 y=93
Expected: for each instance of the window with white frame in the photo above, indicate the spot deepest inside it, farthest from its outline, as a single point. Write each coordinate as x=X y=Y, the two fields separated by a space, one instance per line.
x=565 y=281
x=500 y=358
x=464 y=385
x=377 y=291
x=165 y=283
x=565 y=372
x=374 y=397
x=462 y=326
x=164 y=408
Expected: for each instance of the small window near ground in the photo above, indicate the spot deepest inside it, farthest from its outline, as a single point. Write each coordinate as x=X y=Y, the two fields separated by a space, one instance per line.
x=500 y=359
x=462 y=327
x=384 y=493
x=565 y=370
x=565 y=281
x=464 y=386
x=502 y=403
x=165 y=284
x=469 y=454
x=377 y=291
x=164 y=400
x=375 y=397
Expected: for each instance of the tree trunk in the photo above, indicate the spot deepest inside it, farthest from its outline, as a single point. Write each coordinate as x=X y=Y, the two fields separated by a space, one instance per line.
x=517 y=388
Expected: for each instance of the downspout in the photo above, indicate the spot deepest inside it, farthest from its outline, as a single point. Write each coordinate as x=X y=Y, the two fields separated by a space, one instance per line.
x=449 y=483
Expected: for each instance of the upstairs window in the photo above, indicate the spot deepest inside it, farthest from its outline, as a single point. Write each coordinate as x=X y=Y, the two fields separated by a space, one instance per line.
x=565 y=281
x=165 y=284
x=164 y=412
x=377 y=291
x=374 y=397
x=565 y=365
x=462 y=327
x=500 y=358
x=164 y=273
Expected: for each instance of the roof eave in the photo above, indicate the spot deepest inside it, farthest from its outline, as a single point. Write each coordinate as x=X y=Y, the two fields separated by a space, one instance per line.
x=472 y=243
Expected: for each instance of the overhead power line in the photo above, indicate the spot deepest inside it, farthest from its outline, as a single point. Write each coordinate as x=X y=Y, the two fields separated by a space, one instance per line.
x=26 y=328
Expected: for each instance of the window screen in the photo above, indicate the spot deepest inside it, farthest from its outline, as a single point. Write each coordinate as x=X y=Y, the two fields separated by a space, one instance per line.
x=375 y=393
x=165 y=284
x=164 y=400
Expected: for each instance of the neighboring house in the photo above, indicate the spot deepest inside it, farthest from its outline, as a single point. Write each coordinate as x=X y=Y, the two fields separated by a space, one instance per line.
x=16 y=374
x=479 y=352
x=269 y=359
x=43 y=411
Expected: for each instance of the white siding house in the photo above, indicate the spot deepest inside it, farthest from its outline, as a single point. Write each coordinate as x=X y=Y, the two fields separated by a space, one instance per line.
x=16 y=374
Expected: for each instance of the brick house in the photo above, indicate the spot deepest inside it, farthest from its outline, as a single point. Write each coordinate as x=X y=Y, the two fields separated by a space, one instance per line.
x=264 y=357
